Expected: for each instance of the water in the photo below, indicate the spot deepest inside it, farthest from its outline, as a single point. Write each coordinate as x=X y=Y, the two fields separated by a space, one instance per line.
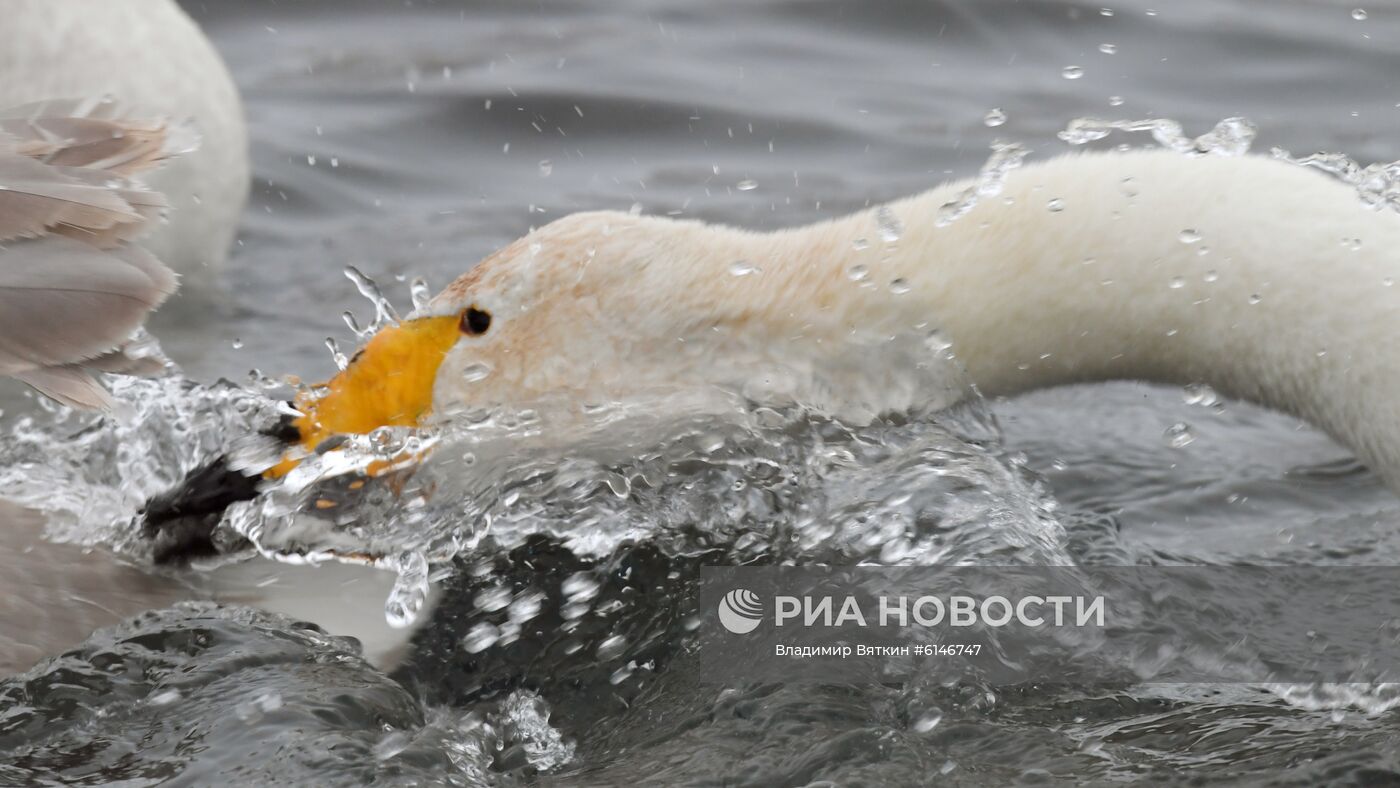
x=557 y=652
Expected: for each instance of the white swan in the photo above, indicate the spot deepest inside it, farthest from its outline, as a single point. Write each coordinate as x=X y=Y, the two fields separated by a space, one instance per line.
x=153 y=60
x=1267 y=281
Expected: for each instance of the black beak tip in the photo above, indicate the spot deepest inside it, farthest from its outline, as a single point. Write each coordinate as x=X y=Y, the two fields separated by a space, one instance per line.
x=180 y=522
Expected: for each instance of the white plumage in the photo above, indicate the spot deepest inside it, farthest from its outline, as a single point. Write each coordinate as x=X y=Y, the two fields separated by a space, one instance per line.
x=1266 y=280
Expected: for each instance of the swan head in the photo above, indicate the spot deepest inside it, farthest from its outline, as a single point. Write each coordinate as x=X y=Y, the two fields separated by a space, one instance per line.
x=603 y=307
x=598 y=304
x=592 y=304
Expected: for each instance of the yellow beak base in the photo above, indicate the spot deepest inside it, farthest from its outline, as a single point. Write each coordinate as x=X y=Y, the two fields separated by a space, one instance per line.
x=389 y=383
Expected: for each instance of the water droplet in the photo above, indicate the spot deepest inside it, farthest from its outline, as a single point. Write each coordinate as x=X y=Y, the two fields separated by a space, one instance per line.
x=612 y=647
x=891 y=228
x=1055 y=205
x=476 y=372
x=1199 y=394
x=384 y=313
x=899 y=286
x=743 y=268
x=546 y=168
x=858 y=273
x=492 y=599
x=1189 y=236
x=1115 y=101
x=1389 y=281
x=237 y=343
x=1359 y=14
x=311 y=160
x=480 y=637
x=948 y=765
x=420 y=294
x=1105 y=12
x=746 y=185
x=928 y=721
x=994 y=117
x=1254 y=299
x=1176 y=283
x=341 y=362
x=580 y=587
x=410 y=589
x=1108 y=49
x=937 y=342
x=525 y=607
x=991 y=179
x=1072 y=72
x=1210 y=276
x=1128 y=187
x=860 y=244
x=1179 y=435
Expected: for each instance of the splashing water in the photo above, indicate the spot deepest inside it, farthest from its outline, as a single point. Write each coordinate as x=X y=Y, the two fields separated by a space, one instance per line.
x=791 y=483
x=991 y=179
x=421 y=294
x=1229 y=137
x=384 y=312
x=92 y=474
x=1377 y=184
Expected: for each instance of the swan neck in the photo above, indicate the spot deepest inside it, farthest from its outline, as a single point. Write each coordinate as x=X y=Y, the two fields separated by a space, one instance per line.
x=1263 y=280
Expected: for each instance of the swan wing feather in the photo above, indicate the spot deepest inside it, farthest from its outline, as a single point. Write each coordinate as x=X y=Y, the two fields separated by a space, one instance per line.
x=63 y=301
x=37 y=198
x=70 y=386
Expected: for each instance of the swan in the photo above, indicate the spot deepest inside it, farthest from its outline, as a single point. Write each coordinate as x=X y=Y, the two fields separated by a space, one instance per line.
x=1267 y=281
x=153 y=59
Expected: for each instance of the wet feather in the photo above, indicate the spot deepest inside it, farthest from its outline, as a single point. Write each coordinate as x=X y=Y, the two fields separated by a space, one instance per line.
x=73 y=289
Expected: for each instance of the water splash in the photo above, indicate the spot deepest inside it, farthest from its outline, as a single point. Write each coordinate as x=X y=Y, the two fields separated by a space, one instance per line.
x=1378 y=185
x=1369 y=698
x=790 y=483
x=991 y=179
x=420 y=293
x=91 y=474
x=1229 y=137
x=890 y=226
x=384 y=312
x=337 y=357
x=782 y=481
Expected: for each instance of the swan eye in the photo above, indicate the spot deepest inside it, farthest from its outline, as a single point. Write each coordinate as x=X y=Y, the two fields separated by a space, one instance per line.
x=475 y=321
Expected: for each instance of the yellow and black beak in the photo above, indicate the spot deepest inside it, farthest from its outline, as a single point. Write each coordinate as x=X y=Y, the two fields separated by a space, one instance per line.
x=389 y=383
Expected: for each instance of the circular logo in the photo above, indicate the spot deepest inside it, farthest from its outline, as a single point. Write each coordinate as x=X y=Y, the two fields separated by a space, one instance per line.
x=740 y=611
